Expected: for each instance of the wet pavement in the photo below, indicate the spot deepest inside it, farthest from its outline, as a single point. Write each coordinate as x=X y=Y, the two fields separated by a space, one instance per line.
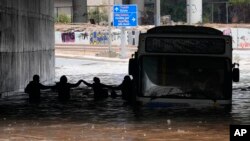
x=112 y=119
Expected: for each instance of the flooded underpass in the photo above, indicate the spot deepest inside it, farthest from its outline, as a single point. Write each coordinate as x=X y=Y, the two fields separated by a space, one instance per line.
x=113 y=119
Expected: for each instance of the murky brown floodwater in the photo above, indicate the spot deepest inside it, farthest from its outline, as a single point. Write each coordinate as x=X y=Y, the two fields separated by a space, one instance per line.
x=112 y=119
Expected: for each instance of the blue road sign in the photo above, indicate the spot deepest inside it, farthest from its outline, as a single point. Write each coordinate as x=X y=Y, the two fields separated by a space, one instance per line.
x=125 y=15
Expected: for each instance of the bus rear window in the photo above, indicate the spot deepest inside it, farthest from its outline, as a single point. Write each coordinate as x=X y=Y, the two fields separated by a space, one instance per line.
x=185 y=77
x=185 y=45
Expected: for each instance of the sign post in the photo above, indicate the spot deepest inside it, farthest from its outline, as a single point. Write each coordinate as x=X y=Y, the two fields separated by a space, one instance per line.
x=124 y=16
x=109 y=20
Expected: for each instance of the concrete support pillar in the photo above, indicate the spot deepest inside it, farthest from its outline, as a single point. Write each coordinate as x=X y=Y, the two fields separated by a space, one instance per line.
x=157 y=12
x=194 y=11
x=80 y=14
x=26 y=42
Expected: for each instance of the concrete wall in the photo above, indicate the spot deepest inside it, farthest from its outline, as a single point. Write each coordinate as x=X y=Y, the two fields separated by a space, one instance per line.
x=240 y=37
x=26 y=42
x=97 y=37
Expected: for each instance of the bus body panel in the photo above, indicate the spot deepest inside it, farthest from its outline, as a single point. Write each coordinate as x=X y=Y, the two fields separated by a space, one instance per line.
x=174 y=103
x=154 y=69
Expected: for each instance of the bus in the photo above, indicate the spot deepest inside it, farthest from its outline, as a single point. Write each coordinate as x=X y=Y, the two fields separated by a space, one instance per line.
x=183 y=66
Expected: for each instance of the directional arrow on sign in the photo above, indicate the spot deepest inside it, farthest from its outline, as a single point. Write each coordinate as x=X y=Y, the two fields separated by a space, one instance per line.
x=116 y=8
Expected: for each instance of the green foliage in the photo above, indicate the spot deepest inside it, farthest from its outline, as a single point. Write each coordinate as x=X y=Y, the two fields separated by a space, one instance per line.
x=98 y=14
x=206 y=18
x=207 y=15
x=63 y=18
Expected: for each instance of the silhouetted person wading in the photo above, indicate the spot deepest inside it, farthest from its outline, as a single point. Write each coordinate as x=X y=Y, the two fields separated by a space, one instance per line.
x=33 y=89
x=100 y=90
x=63 y=88
x=126 y=88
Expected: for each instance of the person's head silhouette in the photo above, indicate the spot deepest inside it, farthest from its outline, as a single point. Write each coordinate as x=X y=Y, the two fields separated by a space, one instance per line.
x=96 y=80
x=127 y=78
x=36 y=78
x=63 y=79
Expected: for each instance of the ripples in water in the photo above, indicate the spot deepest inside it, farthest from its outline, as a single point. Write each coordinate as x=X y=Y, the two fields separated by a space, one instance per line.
x=112 y=119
